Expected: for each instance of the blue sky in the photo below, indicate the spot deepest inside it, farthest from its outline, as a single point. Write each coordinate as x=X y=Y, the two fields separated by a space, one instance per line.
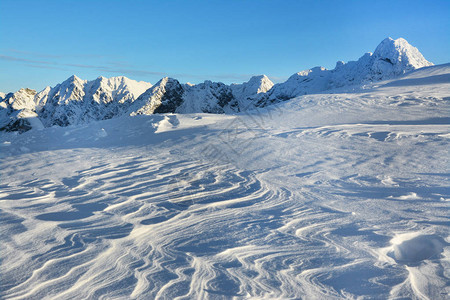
x=44 y=42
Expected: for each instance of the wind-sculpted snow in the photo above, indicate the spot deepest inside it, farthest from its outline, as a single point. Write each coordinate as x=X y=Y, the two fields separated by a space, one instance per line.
x=327 y=196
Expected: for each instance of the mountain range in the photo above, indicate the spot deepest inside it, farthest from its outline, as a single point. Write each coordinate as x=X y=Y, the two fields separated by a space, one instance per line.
x=76 y=101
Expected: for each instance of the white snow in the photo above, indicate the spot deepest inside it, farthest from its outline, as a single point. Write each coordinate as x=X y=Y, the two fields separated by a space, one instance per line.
x=248 y=91
x=76 y=101
x=414 y=248
x=326 y=196
x=22 y=99
x=390 y=59
x=398 y=57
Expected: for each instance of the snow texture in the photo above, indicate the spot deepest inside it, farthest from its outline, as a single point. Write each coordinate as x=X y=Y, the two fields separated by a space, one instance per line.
x=341 y=195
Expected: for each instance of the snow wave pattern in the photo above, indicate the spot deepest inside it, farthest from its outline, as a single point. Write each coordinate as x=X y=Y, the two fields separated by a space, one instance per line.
x=312 y=221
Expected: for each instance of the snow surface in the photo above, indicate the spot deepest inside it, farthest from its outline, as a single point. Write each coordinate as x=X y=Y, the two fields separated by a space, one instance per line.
x=327 y=196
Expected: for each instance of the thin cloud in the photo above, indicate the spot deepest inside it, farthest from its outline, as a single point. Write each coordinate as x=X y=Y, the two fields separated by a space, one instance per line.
x=46 y=67
x=45 y=55
x=117 y=68
x=13 y=58
x=109 y=69
x=22 y=52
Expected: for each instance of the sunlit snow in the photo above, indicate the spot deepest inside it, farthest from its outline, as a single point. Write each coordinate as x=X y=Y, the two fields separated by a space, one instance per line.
x=326 y=196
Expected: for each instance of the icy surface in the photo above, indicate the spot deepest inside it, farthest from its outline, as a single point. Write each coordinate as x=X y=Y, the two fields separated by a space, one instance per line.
x=326 y=196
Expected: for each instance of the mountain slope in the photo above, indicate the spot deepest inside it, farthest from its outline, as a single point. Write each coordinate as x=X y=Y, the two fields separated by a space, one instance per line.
x=163 y=97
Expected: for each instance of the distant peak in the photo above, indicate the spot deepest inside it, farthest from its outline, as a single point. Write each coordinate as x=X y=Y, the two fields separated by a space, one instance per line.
x=318 y=69
x=122 y=78
x=73 y=78
x=259 y=79
x=392 y=41
x=258 y=84
x=339 y=64
x=389 y=44
x=112 y=79
x=167 y=80
x=399 y=51
x=315 y=71
x=387 y=40
x=27 y=91
x=163 y=80
x=401 y=40
x=46 y=89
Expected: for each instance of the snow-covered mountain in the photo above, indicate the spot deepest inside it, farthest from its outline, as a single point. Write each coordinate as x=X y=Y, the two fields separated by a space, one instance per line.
x=247 y=92
x=390 y=59
x=170 y=96
x=163 y=97
x=17 y=109
x=77 y=101
x=22 y=99
x=74 y=101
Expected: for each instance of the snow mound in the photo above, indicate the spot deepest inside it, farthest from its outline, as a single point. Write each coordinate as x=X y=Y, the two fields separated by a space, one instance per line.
x=168 y=123
x=412 y=250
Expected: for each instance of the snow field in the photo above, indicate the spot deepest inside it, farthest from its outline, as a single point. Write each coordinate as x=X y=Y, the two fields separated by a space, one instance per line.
x=327 y=196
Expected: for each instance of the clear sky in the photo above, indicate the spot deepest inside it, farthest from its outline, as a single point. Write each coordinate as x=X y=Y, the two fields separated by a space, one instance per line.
x=44 y=42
